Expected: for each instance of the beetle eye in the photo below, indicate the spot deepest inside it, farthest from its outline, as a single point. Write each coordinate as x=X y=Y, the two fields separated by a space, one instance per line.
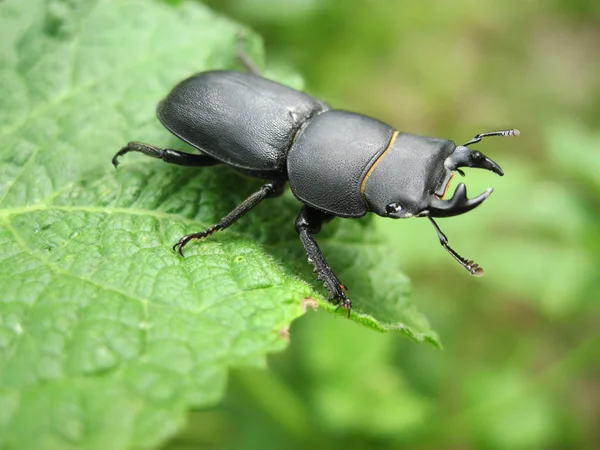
x=393 y=208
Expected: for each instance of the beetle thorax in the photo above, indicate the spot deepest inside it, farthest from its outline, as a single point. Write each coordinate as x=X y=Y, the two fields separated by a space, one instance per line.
x=330 y=158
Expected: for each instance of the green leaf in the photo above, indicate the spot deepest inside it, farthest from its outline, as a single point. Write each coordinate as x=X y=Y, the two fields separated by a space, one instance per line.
x=107 y=337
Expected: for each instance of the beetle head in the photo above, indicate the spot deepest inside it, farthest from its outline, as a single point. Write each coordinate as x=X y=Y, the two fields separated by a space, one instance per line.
x=412 y=178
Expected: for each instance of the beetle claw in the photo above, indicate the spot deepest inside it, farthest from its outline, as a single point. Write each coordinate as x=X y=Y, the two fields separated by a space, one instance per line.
x=178 y=247
x=342 y=302
x=115 y=159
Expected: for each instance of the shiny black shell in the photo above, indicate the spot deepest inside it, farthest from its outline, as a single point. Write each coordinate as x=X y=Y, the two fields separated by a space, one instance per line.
x=240 y=119
x=331 y=157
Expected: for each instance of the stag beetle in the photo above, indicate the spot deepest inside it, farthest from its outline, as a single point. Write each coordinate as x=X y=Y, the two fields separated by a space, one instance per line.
x=338 y=163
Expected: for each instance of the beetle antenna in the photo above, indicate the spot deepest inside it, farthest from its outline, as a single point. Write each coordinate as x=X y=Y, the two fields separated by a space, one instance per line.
x=479 y=137
x=470 y=265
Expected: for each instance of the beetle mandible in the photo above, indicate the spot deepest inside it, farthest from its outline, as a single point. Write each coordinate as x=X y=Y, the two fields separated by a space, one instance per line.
x=338 y=163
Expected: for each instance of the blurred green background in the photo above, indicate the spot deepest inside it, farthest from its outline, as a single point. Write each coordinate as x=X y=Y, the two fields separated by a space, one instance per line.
x=521 y=364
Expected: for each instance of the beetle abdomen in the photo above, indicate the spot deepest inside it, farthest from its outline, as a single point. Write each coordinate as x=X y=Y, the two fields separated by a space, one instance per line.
x=243 y=120
x=330 y=158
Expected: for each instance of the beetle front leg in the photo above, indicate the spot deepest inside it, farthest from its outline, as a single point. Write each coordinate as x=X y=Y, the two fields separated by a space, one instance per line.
x=308 y=224
x=468 y=264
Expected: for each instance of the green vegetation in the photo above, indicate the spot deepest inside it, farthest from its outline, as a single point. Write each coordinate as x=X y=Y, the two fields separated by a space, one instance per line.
x=109 y=340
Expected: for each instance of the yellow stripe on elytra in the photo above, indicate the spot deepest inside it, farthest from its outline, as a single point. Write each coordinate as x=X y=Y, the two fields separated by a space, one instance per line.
x=364 y=181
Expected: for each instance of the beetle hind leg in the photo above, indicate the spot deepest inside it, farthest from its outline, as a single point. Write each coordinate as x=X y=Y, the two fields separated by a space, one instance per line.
x=270 y=189
x=166 y=154
x=308 y=224
x=245 y=60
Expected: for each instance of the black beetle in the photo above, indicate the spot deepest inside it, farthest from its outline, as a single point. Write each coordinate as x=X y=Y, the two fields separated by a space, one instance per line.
x=338 y=163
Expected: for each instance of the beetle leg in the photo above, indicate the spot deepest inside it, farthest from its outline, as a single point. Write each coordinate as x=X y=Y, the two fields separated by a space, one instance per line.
x=470 y=265
x=308 y=224
x=166 y=154
x=245 y=60
x=268 y=190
